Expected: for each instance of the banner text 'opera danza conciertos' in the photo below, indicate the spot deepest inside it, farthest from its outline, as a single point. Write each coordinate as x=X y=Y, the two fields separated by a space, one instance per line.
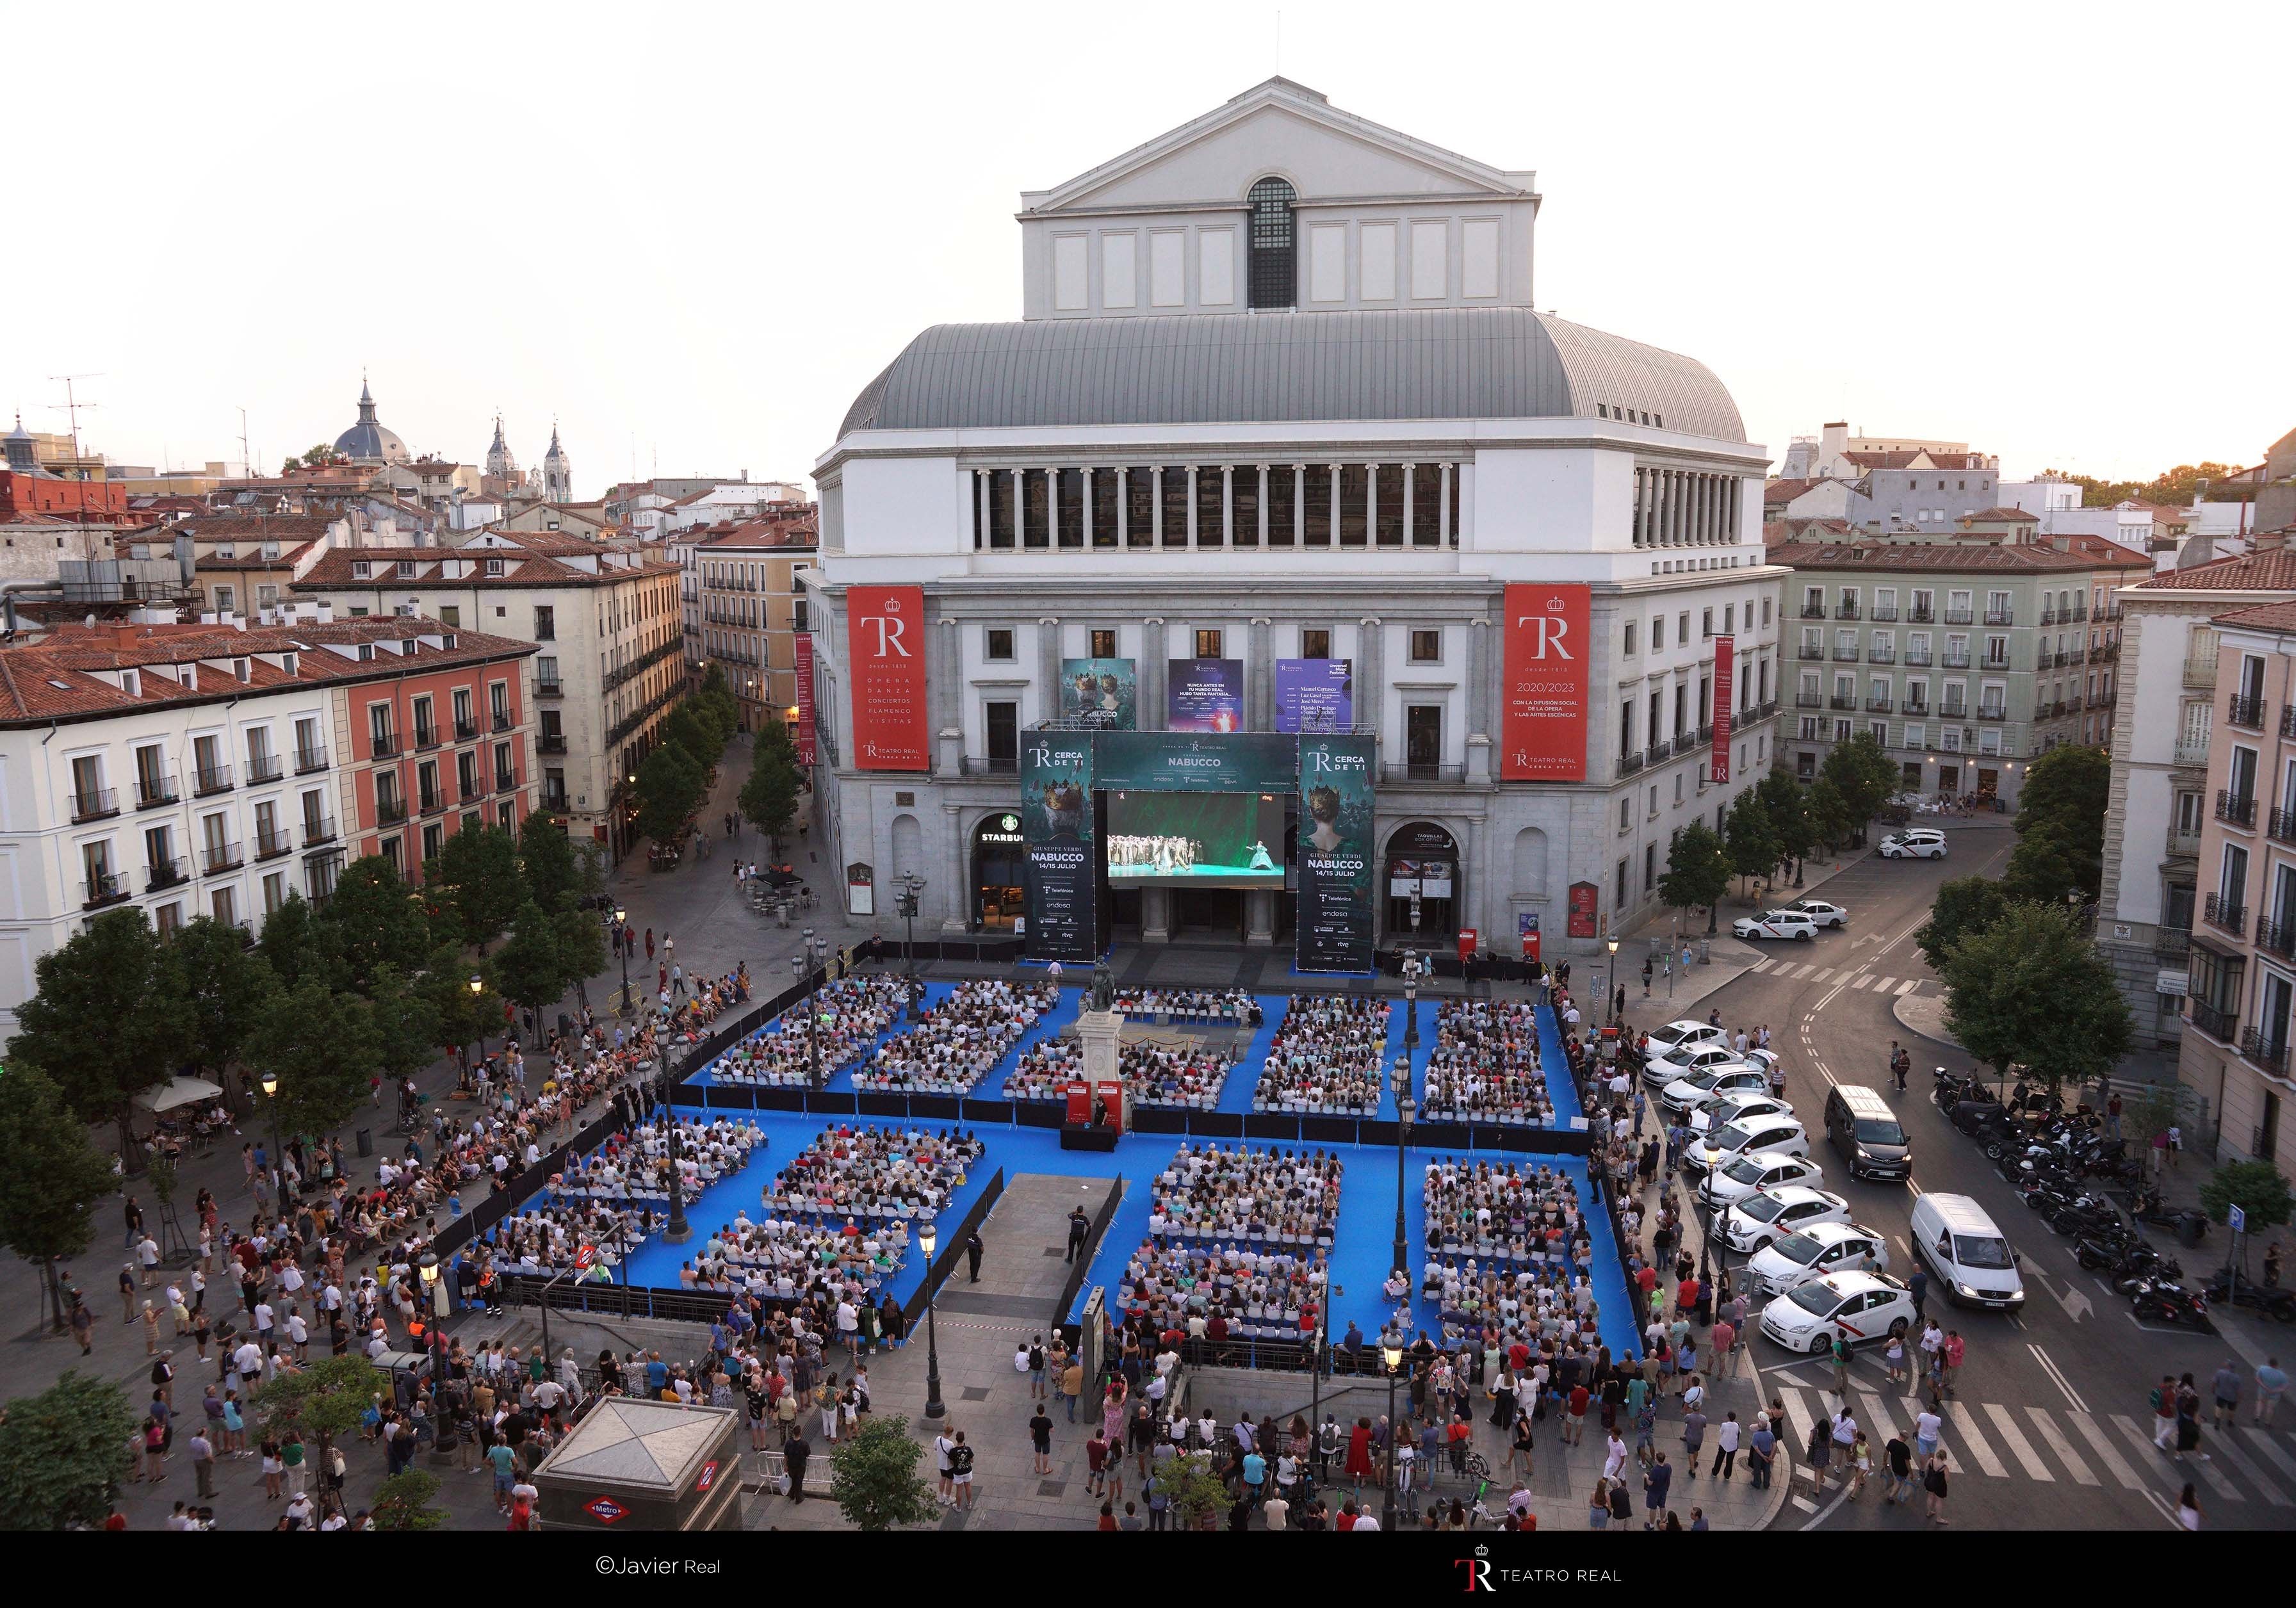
x=886 y=628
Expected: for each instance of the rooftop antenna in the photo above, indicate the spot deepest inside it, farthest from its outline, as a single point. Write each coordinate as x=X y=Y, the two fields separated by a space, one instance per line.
x=246 y=463
x=72 y=404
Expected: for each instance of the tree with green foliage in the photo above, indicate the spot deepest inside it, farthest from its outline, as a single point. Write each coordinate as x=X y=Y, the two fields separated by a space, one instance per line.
x=223 y=985
x=1862 y=774
x=53 y=1179
x=2031 y=991
x=326 y=1398
x=695 y=730
x=2173 y=489
x=2064 y=795
x=874 y=1479
x=2045 y=867
x=1697 y=870
x=459 y=1016
x=1828 y=814
x=1199 y=1496
x=581 y=945
x=529 y=971
x=64 y=1453
x=403 y=1501
x=769 y=800
x=2155 y=1109
x=2256 y=1187
x=1786 y=802
x=405 y=1024
x=1754 y=846
x=1966 y=905
x=105 y=1022
x=547 y=857
x=379 y=920
x=669 y=787
x=297 y=943
x=320 y=1042
x=478 y=873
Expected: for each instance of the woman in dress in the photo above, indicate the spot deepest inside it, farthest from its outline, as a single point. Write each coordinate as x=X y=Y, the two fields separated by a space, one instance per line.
x=1934 y=1480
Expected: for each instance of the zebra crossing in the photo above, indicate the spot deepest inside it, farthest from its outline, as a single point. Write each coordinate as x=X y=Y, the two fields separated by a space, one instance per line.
x=1811 y=971
x=2250 y=1465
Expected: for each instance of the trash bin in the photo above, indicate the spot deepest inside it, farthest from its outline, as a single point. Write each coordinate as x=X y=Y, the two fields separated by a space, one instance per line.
x=2191 y=1225
x=365 y=1143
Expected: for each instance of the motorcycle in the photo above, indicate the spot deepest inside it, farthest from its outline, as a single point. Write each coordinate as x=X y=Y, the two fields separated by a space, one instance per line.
x=1951 y=1089
x=2280 y=1305
x=2147 y=1209
x=2171 y=1302
x=2076 y=1217
x=2105 y=1248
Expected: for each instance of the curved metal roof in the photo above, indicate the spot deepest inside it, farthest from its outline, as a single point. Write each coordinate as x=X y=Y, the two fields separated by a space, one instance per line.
x=1437 y=363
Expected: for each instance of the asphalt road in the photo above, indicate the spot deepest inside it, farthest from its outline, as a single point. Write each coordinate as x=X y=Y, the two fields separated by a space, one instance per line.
x=2051 y=1426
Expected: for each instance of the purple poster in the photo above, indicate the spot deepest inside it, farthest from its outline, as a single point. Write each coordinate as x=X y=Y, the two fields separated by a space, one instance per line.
x=1204 y=696
x=1315 y=695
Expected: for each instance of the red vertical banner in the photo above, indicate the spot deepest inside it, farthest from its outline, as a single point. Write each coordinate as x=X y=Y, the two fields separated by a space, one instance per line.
x=885 y=630
x=805 y=698
x=1543 y=719
x=1726 y=681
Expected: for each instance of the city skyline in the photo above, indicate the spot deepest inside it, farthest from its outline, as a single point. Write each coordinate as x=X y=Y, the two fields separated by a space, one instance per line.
x=751 y=280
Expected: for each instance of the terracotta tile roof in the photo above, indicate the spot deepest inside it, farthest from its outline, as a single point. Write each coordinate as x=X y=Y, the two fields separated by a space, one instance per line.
x=795 y=530
x=1923 y=556
x=1785 y=491
x=281 y=527
x=1999 y=516
x=2262 y=617
x=56 y=678
x=2272 y=571
x=287 y=558
x=523 y=565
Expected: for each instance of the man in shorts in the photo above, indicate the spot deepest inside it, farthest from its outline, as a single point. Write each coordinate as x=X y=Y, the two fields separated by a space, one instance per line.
x=942 y=1446
x=960 y=1471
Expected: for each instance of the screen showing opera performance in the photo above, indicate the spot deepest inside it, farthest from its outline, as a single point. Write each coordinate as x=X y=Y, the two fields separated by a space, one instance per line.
x=1205 y=840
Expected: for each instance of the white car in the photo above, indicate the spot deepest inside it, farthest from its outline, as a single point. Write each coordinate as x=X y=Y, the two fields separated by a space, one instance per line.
x=1772 y=1133
x=1862 y=1308
x=1821 y=912
x=1682 y=1063
x=1730 y=1078
x=1748 y=1175
x=1774 y=1213
x=1775 y=923
x=1681 y=1035
x=1914 y=844
x=1720 y=1111
x=1815 y=1251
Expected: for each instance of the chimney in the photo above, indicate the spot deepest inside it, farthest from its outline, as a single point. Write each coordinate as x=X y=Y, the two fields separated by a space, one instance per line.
x=2269 y=541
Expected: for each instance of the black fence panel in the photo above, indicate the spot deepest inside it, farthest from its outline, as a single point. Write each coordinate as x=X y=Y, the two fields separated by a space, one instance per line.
x=869 y=1104
x=1160 y=1120
x=1271 y=1124
x=995 y=1113
x=952 y=1247
x=1327 y=1130
x=829 y=1103
x=936 y=1108
x=1037 y=1113
x=1216 y=1125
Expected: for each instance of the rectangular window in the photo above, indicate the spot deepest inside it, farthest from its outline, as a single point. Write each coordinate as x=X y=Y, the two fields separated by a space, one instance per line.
x=1208 y=644
x=1283 y=506
x=1427 y=647
x=1423 y=740
x=1244 y=506
x=1176 y=505
x=1211 y=511
x=1630 y=637
x=1315 y=642
x=999 y=646
x=1104 y=645
x=449 y=614
x=1315 y=505
x=545 y=624
x=1101 y=488
x=1002 y=722
x=1354 y=505
x=1140 y=506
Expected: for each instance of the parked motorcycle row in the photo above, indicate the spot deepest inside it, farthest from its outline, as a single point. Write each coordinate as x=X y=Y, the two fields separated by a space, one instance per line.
x=2065 y=1168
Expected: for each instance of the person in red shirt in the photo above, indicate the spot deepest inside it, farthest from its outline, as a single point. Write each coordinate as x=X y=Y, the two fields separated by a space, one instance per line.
x=1577 y=1427
x=1722 y=1337
x=1358 y=1465
x=1646 y=1278
x=1346 y=1520
x=1686 y=1296
x=1107 y=1516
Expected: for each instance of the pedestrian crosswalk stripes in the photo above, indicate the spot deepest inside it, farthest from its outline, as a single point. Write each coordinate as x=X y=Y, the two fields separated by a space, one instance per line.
x=1764 y=964
x=2064 y=1448
x=1908 y=986
x=2102 y=1444
x=1864 y=980
x=1979 y=1447
x=1882 y=986
x=2050 y=1445
x=2019 y=1447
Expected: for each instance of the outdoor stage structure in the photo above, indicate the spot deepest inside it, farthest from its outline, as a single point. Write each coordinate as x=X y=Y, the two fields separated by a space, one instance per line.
x=1102 y=808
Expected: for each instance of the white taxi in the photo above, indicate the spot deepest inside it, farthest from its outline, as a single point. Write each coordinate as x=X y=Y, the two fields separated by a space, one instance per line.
x=1775 y=923
x=1815 y=1251
x=1734 y=1180
x=1864 y=1309
x=1756 y=1220
x=1685 y=1034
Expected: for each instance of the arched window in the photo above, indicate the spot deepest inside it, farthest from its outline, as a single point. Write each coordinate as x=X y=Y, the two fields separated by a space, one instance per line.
x=1275 y=263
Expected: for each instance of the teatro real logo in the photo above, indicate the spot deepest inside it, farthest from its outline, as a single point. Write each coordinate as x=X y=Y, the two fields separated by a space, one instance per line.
x=1549 y=630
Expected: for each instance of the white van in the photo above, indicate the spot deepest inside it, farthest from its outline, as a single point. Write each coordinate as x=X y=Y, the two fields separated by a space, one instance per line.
x=1967 y=1253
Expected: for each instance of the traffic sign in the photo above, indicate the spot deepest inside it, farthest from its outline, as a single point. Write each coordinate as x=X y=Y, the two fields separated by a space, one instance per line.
x=584 y=1258
x=2236 y=1218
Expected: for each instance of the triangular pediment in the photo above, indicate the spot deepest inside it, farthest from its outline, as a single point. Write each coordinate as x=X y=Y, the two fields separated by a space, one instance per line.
x=1285 y=129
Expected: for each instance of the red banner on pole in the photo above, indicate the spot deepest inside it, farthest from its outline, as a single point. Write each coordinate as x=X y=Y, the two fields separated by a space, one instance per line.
x=1544 y=722
x=886 y=628
x=804 y=698
x=1725 y=656
x=1584 y=909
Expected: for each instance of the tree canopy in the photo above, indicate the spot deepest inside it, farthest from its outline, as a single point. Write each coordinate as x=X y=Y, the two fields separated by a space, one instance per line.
x=2256 y=1187
x=1963 y=905
x=1786 y=801
x=321 y=1044
x=224 y=987
x=1753 y=845
x=2171 y=488
x=54 y=1176
x=1862 y=774
x=2064 y=796
x=872 y=1477
x=2031 y=991
x=296 y=942
x=378 y=919
x=64 y=1453
x=478 y=874
x=669 y=788
x=528 y=969
x=769 y=800
x=105 y=1023
x=1698 y=869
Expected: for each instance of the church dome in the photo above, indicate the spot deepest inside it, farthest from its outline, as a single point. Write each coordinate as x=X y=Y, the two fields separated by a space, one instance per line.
x=369 y=442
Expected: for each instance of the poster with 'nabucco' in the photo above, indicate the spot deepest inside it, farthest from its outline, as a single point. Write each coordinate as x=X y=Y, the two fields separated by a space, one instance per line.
x=885 y=628
x=1542 y=730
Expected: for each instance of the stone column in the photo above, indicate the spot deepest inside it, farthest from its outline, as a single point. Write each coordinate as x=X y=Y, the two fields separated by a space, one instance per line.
x=958 y=879
x=1259 y=677
x=1123 y=509
x=1154 y=666
x=1155 y=915
x=1371 y=675
x=1259 y=918
x=1479 y=678
x=948 y=715
x=1048 y=668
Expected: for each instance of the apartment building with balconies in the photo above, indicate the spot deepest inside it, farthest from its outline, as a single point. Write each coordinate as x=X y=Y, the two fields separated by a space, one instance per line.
x=745 y=607
x=2164 y=731
x=213 y=769
x=1965 y=662
x=2242 y=986
x=605 y=625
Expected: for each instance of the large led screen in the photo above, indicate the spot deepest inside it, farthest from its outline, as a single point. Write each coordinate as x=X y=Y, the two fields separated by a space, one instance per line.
x=1200 y=840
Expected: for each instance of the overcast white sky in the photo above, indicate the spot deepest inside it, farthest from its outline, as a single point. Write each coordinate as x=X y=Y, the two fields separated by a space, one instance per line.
x=693 y=232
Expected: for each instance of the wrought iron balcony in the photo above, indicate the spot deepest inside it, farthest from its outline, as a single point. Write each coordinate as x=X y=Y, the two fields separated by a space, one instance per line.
x=976 y=765
x=2281 y=825
x=466 y=729
x=2220 y=912
x=107 y=889
x=308 y=759
x=2277 y=938
x=1809 y=701
x=2216 y=1023
x=262 y=768
x=1918 y=658
x=318 y=832
x=1810 y=611
x=549 y=686
x=271 y=845
x=1881 y=655
x=2247 y=712
x=1957 y=616
x=2268 y=1053
x=1883 y=613
x=221 y=856
x=165 y=874
x=95 y=805
x=2172 y=943
x=2000 y=617
x=382 y=746
x=151 y=792
x=211 y=779
x=1409 y=772
x=391 y=812
x=2239 y=809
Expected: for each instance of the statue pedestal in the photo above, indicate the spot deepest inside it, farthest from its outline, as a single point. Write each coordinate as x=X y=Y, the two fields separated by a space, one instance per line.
x=1097 y=1030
